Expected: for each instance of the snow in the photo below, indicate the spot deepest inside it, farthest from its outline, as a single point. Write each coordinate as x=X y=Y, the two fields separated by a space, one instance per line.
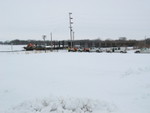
x=11 y=47
x=63 y=82
x=62 y=105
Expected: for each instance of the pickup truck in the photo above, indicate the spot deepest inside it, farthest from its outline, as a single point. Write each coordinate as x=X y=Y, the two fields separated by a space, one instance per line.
x=119 y=50
x=143 y=50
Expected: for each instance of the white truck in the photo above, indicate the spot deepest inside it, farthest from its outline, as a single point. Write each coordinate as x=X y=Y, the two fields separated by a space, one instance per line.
x=116 y=50
x=119 y=50
x=98 y=50
x=143 y=50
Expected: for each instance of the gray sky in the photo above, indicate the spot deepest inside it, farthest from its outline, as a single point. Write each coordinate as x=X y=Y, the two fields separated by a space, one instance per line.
x=104 y=19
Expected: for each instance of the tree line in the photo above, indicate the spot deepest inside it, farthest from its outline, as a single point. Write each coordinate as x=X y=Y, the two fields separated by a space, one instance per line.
x=121 y=42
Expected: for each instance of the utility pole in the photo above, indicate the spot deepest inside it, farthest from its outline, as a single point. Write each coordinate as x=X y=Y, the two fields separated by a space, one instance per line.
x=70 y=23
x=44 y=36
x=73 y=39
x=51 y=42
x=11 y=46
x=145 y=41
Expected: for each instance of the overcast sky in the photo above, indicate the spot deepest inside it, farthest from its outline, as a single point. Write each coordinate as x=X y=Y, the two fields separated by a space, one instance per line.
x=104 y=19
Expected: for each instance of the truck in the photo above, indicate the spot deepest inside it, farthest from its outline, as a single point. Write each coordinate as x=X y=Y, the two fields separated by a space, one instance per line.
x=143 y=50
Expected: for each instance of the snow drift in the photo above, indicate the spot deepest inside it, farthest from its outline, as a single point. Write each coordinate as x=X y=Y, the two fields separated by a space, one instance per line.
x=63 y=105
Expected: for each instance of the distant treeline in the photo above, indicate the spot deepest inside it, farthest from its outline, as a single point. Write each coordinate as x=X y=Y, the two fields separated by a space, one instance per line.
x=121 y=42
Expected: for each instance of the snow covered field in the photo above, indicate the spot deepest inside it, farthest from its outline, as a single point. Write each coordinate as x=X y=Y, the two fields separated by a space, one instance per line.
x=62 y=82
x=11 y=47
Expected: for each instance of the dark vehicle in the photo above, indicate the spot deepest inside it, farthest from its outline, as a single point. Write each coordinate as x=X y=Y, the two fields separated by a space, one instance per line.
x=40 y=47
x=86 y=50
x=30 y=47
